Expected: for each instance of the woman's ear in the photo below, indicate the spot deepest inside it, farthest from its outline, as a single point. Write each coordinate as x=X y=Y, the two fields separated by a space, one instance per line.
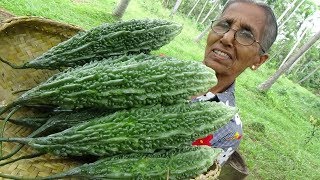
x=262 y=59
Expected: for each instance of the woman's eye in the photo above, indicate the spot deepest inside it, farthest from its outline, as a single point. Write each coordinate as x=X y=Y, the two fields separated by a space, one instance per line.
x=246 y=34
x=223 y=24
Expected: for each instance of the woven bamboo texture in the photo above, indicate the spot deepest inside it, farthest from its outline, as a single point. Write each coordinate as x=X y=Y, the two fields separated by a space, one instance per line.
x=212 y=174
x=23 y=39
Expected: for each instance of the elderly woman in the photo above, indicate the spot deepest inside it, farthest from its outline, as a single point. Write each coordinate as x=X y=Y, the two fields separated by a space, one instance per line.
x=239 y=39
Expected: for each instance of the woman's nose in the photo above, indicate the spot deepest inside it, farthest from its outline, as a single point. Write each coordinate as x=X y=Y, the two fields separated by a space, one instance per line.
x=228 y=38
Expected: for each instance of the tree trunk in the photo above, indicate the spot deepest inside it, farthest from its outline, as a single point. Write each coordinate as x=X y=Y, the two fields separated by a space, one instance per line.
x=310 y=74
x=121 y=8
x=175 y=8
x=204 y=32
x=286 y=11
x=194 y=6
x=294 y=47
x=269 y=82
x=202 y=10
x=214 y=5
x=289 y=17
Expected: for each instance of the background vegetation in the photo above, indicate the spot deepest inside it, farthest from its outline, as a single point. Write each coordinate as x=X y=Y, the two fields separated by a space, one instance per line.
x=278 y=142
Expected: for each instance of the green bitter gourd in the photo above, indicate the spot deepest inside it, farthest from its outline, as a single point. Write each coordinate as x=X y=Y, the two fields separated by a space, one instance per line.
x=124 y=37
x=144 y=130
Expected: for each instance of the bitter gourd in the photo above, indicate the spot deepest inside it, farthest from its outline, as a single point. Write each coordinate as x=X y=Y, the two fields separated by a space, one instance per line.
x=145 y=129
x=125 y=37
x=139 y=80
x=183 y=163
x=56 y=122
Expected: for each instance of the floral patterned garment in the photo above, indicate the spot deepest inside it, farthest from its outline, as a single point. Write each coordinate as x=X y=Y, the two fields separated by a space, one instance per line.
x=227 y=137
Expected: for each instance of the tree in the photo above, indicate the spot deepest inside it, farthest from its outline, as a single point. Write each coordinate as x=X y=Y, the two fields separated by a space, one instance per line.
x=309 y=23
x=120 y=8
x=269 y=82
x=193 y=8
x=204 y=32
x=300 y=38
x=304 y=67
x=310 y=74
x=286 y=11
x=291 y=14
x=175 y=8
x=214 y=5
x=204 y=6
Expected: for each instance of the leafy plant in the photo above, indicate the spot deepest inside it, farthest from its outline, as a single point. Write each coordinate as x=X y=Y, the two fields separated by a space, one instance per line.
x=315 y=123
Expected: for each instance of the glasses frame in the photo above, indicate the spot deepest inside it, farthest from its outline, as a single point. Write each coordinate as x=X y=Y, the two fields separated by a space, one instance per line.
x=235 y=32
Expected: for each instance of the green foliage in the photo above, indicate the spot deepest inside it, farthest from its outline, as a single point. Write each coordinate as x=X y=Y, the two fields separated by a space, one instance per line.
x=315 y=123
x=257 y=126
x=284 y=111
x=307 y=64
x=86 y=14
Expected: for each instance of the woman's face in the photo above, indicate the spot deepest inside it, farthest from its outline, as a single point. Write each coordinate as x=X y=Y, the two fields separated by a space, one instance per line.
x=224 y=54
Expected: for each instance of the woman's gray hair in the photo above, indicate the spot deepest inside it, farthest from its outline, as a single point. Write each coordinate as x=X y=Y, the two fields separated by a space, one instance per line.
x=270 y=31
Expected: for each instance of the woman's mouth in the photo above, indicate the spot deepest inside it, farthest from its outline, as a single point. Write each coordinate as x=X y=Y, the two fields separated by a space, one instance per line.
x=221 y=54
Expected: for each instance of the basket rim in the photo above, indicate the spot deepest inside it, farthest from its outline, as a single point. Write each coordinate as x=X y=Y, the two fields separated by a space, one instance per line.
x=41 y=21
x=5 y=14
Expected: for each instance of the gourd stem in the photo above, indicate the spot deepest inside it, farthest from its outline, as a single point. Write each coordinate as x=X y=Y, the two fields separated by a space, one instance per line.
x=12 y=65
x=30 y=156
x=10 y=120
x=4 y=124
x=34 y=133
x=20 y=91
x=5 y=108
x=75 y=172
x=17 y=149
x=17 y=140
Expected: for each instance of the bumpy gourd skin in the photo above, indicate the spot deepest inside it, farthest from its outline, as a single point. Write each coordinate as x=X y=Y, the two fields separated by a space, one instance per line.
x=134 y=36
x=133 y=81
x=143 y=130
x=183 y=163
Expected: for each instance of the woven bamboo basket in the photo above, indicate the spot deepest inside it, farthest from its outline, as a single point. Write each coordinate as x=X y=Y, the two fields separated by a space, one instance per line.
x=23 y=39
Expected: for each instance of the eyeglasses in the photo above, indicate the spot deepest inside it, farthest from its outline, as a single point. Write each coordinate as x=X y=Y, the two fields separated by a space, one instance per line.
x=242 y=36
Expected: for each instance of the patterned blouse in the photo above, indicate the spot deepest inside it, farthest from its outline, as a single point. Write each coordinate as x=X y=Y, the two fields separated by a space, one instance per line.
x=227 y=137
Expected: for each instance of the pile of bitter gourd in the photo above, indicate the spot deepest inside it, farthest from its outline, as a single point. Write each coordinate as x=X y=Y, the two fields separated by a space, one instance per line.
x=115 y=101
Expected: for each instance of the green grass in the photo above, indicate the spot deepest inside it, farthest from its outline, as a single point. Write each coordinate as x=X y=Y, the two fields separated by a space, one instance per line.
x=85 y=13
x=276 y=123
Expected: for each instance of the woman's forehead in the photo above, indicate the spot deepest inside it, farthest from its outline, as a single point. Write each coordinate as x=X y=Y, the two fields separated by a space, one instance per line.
x=246 y=15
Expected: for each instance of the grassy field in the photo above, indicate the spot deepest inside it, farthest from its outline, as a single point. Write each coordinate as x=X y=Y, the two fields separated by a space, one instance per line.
x=276 y=123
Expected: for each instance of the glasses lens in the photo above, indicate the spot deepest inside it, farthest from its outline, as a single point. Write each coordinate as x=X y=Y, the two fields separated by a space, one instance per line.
x=220 y=27
x=244 y=37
